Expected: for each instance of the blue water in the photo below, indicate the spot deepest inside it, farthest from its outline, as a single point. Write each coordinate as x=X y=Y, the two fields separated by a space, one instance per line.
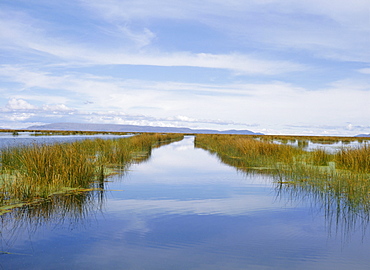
x=25 y=138
x=184 y=209
x=331 y=147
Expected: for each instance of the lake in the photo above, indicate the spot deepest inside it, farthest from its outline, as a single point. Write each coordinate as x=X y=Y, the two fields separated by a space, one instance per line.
x=27 y=138
x=184 y=209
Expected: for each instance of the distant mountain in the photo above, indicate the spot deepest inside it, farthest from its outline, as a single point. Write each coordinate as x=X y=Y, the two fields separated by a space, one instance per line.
x=133 y=128
x=363 y=135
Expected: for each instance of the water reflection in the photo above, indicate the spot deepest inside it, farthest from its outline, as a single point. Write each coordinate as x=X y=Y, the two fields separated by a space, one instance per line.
x=26 y=138
x=329 y=145
x=181 y=209
x=342 y=216
x=343 y=213
x=71 y=210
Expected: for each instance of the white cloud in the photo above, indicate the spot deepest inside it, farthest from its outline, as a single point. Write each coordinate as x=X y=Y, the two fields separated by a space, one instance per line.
x=349 y=126
x=142 y=38
x=31 y=77
x=271 y=105
x=56 y=107
x=243 y=64
x=238 y=205
x=19 y=104
x=115 y=10
x=364 y=70
x=52 y=72
x=30 y=39
x=268 y=107
x=323 y=27
x=17 y=117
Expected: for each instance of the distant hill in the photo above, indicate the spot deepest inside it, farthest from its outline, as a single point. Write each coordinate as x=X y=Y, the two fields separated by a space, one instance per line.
x=133 y=128
x=363 y=135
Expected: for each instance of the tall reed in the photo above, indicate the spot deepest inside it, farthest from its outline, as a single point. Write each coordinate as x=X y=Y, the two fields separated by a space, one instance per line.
x=32 y=171
x=253 y=153
x=343 y=176
x=357 y=159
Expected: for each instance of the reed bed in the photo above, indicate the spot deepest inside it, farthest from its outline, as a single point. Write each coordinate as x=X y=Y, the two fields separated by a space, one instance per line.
x=315 y=139
x=357 y=159
x=342 y=177
x=252 y=152
x=38 y=171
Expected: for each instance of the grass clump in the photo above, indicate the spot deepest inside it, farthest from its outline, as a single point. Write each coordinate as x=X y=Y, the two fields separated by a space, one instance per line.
x=342 y=177
x=37 y=171
x=249 y=151
x=357 y=159
x=320 y=157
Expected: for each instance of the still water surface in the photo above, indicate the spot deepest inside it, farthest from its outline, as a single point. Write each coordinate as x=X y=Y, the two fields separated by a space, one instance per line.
x=27 y=138
x=183 y=209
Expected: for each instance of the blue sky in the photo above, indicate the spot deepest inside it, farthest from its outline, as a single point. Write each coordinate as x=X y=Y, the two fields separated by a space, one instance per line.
x=271 y=66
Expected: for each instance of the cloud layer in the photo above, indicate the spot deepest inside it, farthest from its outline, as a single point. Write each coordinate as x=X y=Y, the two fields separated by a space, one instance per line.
x=276 y=66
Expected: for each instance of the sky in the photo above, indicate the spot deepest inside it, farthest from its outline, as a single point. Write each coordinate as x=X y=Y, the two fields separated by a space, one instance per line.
x=270 y=66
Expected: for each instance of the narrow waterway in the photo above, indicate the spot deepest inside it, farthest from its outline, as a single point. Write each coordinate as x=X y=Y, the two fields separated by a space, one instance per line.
x=183 y=209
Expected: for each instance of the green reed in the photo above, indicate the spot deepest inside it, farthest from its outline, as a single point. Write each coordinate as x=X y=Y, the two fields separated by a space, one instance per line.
x=344 y=176
x=37 y=171
x=355 y=159
x=320 y=157
x=252 y=152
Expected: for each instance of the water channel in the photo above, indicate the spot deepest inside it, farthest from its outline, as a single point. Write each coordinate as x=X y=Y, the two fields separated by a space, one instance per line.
x=183 y=209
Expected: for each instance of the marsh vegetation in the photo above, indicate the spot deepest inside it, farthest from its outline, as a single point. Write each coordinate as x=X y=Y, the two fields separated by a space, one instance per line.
x=182 y=208
x=35 y=172
x=341 y=180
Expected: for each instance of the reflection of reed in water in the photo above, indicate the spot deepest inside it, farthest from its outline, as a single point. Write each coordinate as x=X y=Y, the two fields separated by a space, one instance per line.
x=72 y=209
x=38 y=171
x=339 y=183
x=343 y=214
